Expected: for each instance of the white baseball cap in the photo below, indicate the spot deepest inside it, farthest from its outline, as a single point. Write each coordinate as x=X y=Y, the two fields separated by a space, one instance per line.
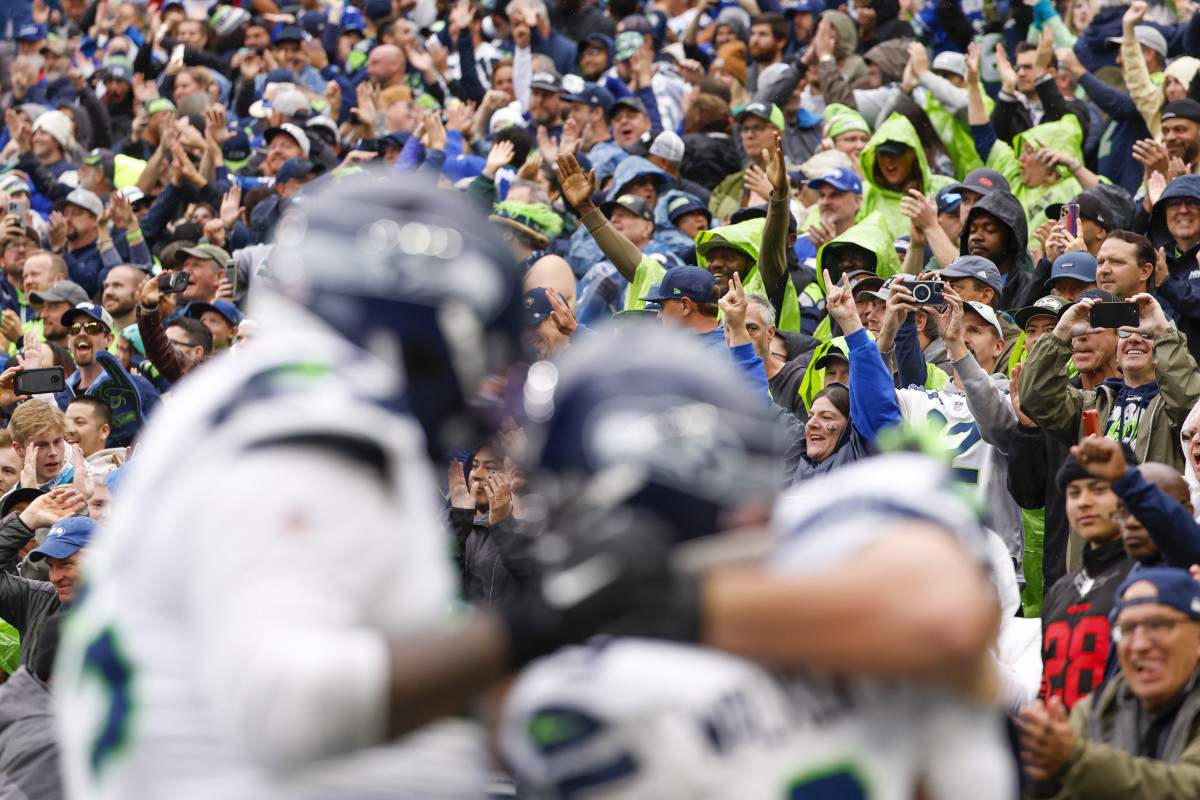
x=985 y=312
x=948 y=61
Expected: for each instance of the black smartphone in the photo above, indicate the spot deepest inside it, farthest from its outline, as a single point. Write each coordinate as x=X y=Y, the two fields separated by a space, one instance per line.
x=48 y=380
x=1115 y=315
x=173 y=282
x=927 y=293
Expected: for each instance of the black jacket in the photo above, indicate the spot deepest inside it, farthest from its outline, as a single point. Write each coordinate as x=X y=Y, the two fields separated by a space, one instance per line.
x=24 y=604
x=1033 y=486
x=1010 y=118
x=1020 y=288
x=495 y=561
x=711 y=157
x=1075 y=627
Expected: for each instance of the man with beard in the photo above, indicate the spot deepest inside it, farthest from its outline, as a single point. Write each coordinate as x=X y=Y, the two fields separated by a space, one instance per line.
x=996 y=229
x=117 y=74
x=284 y=143
x=545 y=106
x=1181 y=131
x=78 y=234
x=768 y=38
x=121 y=294
x=629 y=121
x=54 y=89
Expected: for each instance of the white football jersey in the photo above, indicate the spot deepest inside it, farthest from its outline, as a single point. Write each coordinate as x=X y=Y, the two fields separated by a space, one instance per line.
x=276 y=531
x=634 y=718
x=976 y=464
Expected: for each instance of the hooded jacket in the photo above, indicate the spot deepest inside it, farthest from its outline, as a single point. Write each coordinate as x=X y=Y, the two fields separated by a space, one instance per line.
x=887 y=201
x=1058 y=407
x=1020 y=288
x=1065 y=136
x=871 y=233
x=711 y=158
x=748 y=236
x=1179 y=294
x=28 y=739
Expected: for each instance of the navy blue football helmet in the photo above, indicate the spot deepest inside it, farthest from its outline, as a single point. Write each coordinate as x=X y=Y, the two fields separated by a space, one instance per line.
x=651 y=420
x=409 y=272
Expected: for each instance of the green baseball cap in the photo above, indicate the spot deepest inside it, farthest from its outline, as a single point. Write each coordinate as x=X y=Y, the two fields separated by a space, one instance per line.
x=766 y=111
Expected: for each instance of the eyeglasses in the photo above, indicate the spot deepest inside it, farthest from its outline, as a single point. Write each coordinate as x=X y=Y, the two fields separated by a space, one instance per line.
x=1120 y=515
x=1155 y=628
x=1190 y=202
x=91 y=328
x=1149 y=337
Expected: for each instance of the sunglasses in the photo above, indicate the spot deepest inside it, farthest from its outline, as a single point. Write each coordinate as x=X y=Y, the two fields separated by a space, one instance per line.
x=1177 y=202
x=91 y=328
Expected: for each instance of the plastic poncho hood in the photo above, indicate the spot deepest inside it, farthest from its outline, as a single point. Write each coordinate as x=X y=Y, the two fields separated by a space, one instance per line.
x=871 y=234
x=746 y=236
x=896 y=128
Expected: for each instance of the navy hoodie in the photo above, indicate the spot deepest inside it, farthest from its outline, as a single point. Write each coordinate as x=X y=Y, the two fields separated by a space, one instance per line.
x=1127 y=410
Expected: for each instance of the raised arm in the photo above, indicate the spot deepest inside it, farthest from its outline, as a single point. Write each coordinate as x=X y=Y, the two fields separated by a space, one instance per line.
x=1046 y=396
x=578 y=188
x=772 y=252
x=989 y=405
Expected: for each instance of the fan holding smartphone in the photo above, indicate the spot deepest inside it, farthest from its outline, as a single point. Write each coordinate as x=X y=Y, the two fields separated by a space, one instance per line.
x=1157 y=385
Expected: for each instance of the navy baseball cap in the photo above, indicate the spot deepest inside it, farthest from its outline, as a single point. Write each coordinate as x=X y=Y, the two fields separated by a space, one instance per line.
x=91 y=311
x=65 y=538
x=31 y=32
x=536 y=305
x=592 y=95
x=1080 y=265
x=947 y=199
x=694 y=283
x=1176 y=587
x=296 y=168
x=794 y=7
x=682 y=205
x=289 y=33
x=221 y=306
x=840 y=178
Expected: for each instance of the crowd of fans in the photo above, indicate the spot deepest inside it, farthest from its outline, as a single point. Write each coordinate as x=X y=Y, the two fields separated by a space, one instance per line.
x=967 y=225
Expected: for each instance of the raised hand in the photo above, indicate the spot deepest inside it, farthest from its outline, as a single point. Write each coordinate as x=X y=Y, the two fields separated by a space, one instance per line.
x=920 y=209
x=1101 y=457
x=501 y=155
x=81 y=482
x=577 y=186
x=918 y=59
x=839 y=302
x=231 y=206
x=546 y=145
x=562 y=316
x=55 y=505
x=1014 y=396
x=972 y=64
x=460 y=495
x=1161 y=273
x=1008 y=75
x=776 y=169
x=1133 y=15
x=950 y=321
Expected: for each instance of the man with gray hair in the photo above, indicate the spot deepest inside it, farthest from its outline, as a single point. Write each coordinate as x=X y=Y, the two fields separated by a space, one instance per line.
x=783 y=376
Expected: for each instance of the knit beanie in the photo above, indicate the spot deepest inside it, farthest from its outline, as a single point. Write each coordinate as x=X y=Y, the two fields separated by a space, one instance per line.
x=731 y=58
x=1072 y=470
x=842 y=119
x=58 y=125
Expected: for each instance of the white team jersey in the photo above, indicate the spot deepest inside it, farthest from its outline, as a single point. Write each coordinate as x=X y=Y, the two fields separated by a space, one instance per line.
x=232 y=640
x=634 y=719
x=976 y=463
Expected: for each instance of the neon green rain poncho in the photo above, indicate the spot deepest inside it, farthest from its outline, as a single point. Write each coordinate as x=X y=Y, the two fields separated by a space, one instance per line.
x=886 y=201
x=872 y=235
x=1063 y=135
x=747 y=236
